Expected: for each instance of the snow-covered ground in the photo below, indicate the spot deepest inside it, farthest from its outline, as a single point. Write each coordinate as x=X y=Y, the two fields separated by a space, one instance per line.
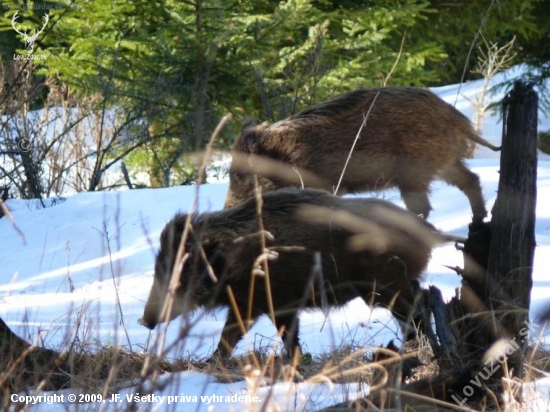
x=76 y=261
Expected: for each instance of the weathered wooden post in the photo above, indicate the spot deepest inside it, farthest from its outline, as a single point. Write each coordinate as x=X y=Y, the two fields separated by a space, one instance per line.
x=494 y=300
x=493 y=304
x=499 y=255
x=513 y=224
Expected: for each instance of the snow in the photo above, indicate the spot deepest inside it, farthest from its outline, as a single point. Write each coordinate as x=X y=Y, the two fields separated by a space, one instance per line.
x=82 y=259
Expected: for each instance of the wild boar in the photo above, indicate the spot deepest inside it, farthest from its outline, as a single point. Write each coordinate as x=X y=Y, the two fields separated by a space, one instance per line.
x=364 y=140
x=363 y=247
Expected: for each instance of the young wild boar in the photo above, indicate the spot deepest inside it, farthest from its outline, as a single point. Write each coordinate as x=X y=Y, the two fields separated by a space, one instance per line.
x=409 y=138
x=363 y=247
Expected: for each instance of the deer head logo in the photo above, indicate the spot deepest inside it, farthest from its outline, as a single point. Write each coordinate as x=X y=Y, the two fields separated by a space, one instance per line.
x=29 y=40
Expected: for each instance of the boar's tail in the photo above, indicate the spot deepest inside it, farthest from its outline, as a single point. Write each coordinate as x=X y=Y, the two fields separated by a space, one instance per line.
x=444 y=238
x=474 y=137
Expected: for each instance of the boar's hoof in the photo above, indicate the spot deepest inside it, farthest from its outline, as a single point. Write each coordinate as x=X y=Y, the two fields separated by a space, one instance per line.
x=142 y=322
x=217 y=358
x=399 y=366
x=477 y=220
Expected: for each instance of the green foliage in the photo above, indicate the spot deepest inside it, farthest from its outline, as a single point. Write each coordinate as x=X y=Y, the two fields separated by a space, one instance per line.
x=297 y=51
x=308 y=51
x=543 y=142
x=153 y=58
x=380 y=48
x=534 y=48
x=458 y=25
x=179 y=66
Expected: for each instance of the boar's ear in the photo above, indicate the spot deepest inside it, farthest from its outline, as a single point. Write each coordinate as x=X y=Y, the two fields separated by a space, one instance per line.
x=249 y=122
x=249 y=139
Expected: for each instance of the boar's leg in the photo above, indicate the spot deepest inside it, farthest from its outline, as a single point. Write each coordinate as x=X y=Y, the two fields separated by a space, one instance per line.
x=231 y=334
x=400 y=300
x=417 y=201
x=402 y=311
x=289 y=324
x=468 y=182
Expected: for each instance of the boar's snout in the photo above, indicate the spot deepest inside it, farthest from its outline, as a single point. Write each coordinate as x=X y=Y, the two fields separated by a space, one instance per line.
x=148 y=325
x=152 y=314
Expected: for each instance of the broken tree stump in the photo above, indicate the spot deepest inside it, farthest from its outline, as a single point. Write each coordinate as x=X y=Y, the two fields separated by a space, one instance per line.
x=513 y=239
x=497 y=280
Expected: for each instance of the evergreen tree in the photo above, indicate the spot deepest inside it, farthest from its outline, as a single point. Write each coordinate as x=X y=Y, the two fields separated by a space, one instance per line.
x=177 y=67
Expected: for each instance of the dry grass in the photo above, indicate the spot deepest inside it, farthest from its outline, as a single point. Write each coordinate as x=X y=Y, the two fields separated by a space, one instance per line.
x=109 y=369
x=344 y=364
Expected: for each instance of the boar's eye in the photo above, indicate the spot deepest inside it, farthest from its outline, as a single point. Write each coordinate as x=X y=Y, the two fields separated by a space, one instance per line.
x=238 y=176
x=209 y=262
x=163 y=266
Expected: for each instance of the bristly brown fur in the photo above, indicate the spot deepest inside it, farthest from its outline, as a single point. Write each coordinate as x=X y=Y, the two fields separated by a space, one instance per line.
x=411 y=137
x=391 y=247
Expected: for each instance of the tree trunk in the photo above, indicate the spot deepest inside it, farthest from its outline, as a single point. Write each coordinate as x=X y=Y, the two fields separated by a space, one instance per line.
x=495 y=297
x=513 y=239
x=493 y=304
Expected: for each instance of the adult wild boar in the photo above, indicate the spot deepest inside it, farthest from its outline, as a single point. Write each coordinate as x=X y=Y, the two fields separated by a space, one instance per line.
x=363 y=247
x=402 y=137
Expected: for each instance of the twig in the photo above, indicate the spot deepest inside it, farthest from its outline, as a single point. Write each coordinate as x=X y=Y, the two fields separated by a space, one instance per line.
x=482 y=24
x=354 y=143
x=263 y=245
x=181 y=255
x=396 y=60
x=8 y=214
x=106 y=233
x=210 y=146
x=126 y=175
